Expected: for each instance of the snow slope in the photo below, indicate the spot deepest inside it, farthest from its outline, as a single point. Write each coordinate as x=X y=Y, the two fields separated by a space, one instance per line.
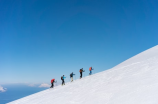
x=135 y=81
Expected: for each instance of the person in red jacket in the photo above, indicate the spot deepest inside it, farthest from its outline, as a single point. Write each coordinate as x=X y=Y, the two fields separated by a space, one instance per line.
x=52 y=82
x=90 y=70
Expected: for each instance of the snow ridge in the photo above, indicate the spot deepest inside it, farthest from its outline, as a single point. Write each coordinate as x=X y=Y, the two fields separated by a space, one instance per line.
x=135 y=81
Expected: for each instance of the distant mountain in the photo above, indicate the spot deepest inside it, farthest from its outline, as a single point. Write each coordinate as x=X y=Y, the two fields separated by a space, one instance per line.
x=134 y=81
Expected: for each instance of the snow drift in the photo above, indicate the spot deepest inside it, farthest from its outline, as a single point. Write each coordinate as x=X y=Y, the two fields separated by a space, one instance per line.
x=135 y=81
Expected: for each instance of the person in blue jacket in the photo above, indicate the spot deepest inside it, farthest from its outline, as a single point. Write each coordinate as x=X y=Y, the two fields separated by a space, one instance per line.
x=62 y=78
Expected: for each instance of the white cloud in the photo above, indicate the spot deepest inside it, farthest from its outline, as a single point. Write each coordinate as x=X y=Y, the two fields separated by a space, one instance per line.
x=44 y=85
x=2 y=89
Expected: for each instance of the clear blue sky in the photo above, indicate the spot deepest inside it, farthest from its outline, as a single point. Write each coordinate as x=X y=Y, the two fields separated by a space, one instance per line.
x=44 y=39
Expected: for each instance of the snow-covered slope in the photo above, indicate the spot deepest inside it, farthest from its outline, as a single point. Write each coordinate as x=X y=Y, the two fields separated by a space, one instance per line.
x=134 y=81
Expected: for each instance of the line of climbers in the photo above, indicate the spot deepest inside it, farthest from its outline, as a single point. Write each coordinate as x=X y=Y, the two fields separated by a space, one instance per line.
x=71 y=76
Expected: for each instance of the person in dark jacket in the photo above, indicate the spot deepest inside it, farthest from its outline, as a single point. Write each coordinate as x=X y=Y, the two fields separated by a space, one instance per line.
x=71 y=76
x=81 y=70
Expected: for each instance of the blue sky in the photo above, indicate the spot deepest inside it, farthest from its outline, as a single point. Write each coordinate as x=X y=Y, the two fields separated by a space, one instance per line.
x=44 y=39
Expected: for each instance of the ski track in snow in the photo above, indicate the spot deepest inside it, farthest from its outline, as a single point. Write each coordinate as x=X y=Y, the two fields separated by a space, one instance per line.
x=135 y=81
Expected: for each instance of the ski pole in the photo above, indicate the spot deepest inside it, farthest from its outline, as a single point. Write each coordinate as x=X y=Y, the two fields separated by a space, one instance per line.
x=93 y=70
x=56 y=83
x=75 y=77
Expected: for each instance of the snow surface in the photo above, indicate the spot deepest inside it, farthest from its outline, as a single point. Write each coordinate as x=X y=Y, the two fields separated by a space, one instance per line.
x=135 y=81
